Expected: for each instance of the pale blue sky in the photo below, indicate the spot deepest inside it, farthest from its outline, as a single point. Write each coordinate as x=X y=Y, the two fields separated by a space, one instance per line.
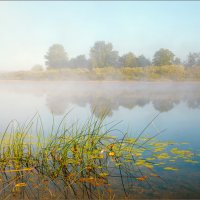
x=27 y=29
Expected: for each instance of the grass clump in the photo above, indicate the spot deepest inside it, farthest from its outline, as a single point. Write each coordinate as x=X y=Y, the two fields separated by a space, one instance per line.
x=79 y=161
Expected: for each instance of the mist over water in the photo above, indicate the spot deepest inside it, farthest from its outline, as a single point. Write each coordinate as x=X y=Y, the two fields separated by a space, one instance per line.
x=136 y=103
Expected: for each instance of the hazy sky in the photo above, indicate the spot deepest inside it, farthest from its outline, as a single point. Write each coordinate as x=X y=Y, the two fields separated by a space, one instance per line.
x=27 y=29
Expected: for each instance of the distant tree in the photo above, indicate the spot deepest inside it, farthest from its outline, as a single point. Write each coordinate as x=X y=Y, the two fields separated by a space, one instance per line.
x=163 y=57
x=193 y=59
x=177 y=61
x=102 y=55
x=79 y=61
x=56 y=57
x=129 y=60
x=198 y=60
x=143 y=61
x=37 y=68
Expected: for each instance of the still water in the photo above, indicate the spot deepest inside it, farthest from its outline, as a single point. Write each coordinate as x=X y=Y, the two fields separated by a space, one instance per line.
x=133 y=104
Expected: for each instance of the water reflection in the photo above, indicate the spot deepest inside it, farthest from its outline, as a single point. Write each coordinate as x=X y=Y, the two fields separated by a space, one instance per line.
x=109 y=96
x=103 y=99
x=19 y=99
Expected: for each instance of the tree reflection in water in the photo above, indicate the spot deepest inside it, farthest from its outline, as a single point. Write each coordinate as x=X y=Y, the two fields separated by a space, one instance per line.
x=109 y=96
x=106 y=99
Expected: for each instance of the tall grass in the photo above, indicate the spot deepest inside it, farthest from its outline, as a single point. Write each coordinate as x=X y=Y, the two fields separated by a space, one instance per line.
x=151 y=73
x=79 y=161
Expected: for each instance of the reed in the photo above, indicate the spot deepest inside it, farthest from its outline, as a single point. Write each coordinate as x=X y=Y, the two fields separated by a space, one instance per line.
x=78 y=161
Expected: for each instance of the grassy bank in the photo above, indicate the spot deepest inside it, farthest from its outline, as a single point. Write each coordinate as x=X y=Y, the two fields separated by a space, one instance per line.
x=80 y=161
x=153 y=73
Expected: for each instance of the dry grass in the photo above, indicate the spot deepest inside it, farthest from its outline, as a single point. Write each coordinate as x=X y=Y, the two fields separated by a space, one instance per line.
x=152 y=73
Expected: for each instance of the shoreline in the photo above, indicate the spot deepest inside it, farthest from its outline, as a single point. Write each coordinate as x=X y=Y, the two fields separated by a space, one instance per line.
x=98 y=81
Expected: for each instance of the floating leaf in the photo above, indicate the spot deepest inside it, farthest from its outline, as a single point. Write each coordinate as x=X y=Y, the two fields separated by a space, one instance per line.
x=191 y=161
x=20 y=185
x=137 y=154
x=162 y=156
x=171 y=168
x=111 y=153
x=148 y=165
x=154 y=175
x=86 y=179
x=139 y=162
x=150 y=159
x=103 y=174
x=160 y=163
x=142 y=178
x=159 y=149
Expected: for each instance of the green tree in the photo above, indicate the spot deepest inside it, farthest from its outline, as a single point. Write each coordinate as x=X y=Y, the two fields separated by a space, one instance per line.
x=193 y=59
x=102 y=55
x=177 y=61
x=79 y=61
x=56 y=57
x=163 y=57
x=143 y=61
x=129 y=60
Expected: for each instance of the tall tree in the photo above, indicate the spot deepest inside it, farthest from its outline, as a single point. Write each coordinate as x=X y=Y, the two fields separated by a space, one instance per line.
x=102 y=55
x=79 y=61
x=129 y=60
x=163 y=57
x=56 y=57
x=177 y=61
x=143 y=61
x=193 y=59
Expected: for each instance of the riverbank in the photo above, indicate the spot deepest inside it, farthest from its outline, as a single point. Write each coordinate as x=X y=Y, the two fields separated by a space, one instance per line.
x=153 y=73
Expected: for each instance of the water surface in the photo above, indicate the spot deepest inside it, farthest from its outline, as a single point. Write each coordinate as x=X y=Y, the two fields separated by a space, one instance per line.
x=133 y=103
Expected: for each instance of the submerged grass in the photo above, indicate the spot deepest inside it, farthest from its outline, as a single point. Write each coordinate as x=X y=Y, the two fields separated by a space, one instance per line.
x=79 y=161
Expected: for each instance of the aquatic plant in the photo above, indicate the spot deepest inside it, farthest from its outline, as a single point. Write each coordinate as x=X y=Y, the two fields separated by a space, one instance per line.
x=79 y=161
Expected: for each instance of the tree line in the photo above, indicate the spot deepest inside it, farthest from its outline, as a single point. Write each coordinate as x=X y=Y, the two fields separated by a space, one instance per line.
x=103 y=55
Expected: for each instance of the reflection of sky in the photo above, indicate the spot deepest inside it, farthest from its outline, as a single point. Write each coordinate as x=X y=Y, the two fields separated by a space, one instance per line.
x=182 y=123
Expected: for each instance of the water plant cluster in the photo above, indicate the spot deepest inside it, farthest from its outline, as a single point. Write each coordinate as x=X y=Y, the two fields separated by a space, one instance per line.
x=79 y=161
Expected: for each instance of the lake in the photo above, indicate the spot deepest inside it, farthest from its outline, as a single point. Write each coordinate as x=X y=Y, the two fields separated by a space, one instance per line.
x=133 y=104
